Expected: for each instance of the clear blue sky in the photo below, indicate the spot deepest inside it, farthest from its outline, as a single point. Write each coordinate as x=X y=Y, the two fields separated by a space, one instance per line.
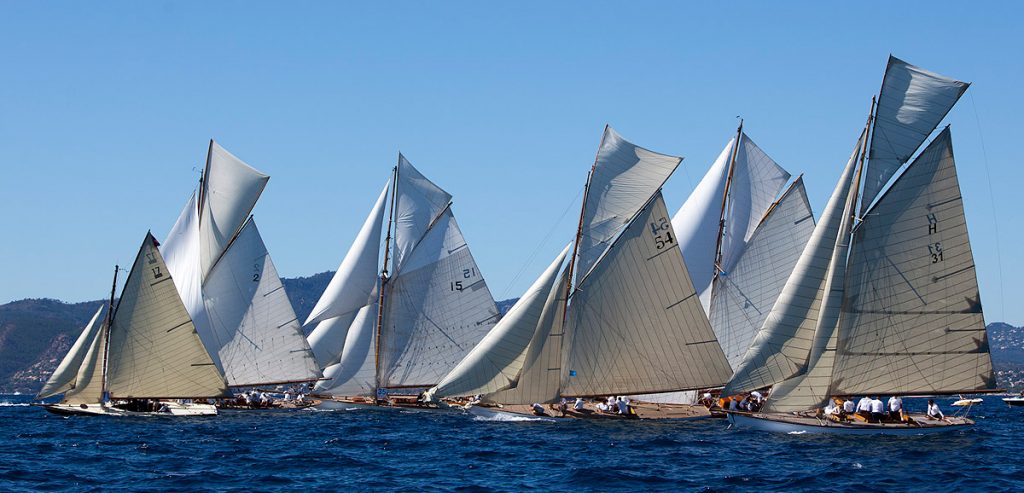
x=106 y=110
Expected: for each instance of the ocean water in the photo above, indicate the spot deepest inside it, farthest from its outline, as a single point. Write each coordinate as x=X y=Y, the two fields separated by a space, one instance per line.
x=379 y=450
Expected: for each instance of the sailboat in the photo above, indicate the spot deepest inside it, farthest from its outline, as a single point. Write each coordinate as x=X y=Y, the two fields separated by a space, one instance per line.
x=885 y=301
x=633 y=325
x=382 y=335
x=229 y=283
x=740 y=240
x=144 y=358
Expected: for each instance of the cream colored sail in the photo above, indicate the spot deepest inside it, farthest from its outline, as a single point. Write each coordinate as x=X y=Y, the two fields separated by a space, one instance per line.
x=635 y=324
x=64 y=378
x=625 y=177
x=154 y=350
x=229 y=191
x=437 y=307
x=259 y=340
x=496 y=362
x=781 y=348
x=89 y=379
x=911 y=104
x=418 y=204
x=746 y=292
x=912 y=322
x=541 y=377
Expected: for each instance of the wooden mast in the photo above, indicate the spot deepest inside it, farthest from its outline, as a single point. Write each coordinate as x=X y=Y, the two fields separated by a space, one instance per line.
x=579 y=229
x=106 y=332
x=725 y=203
x=384 y=279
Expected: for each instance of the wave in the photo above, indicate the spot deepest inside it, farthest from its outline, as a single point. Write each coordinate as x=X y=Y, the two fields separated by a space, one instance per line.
x=14 y=404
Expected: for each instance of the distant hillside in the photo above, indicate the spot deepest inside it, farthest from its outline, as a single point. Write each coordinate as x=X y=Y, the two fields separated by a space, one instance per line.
x=35 y=334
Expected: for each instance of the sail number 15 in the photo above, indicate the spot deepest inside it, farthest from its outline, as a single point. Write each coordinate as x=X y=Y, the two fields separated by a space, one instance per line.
x=662 y=232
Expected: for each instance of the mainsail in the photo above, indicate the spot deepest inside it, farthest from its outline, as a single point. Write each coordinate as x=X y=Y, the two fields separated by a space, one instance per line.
x=65 y=377
x=635 y=324
x=259 y=339
x=744 y=294
x=154 y=350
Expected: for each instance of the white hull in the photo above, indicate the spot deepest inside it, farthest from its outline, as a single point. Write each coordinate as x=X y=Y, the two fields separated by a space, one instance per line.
x=1014 y=401
x=785 y=423
x=171 y=409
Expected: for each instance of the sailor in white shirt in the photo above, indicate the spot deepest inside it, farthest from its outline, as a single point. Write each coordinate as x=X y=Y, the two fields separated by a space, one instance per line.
x=864 y=407
x=877 y=410
x=623 y=404
x=831 y=409
x=933 y=410
x=895 y=408
x=578 y=405
x=848 y=407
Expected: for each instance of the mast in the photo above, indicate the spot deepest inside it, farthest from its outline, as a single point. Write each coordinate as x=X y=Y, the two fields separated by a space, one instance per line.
x=106 y=329
x=202 y=180
x=579 y=228
x=384 y=277
x=725 y=198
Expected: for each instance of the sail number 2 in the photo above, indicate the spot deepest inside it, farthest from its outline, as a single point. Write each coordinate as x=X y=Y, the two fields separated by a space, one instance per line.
x=662 y=232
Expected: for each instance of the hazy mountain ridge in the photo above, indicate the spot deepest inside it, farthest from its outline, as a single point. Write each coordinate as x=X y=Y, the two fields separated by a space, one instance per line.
x=35 y=334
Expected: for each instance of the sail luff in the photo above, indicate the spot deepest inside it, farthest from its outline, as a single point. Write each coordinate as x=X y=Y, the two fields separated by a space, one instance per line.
x=89 y=380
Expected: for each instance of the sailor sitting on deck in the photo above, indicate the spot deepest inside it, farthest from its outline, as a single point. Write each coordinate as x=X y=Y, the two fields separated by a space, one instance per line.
x=877 y=410
x=848 y=408
x=538 y=409
x=832 y=409
x=864 y=408
x=933 y=410
x=578 y=405
x=623 y=405
x=895 y=409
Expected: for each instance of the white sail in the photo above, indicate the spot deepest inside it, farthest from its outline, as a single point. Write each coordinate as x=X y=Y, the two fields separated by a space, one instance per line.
x=355 y=373
x=746 y=292
x=496 y=362
x=181 y=252
x=635 y=324
x=437 y=307
x=88 y=387
x=418 y=203
x=911 y=104
x=352 y=288
x=697 y=222
x=356 y=277
x=781 y=348
x=154 y=350
x=65 y=376
x=230 y=189
x=756 y=182
x=259 y=339
x=811 y=388
x=913 y=322
x=541 y=377
x=625 y=177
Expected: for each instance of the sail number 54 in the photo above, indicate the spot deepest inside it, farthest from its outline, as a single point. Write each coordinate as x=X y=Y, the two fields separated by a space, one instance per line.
x=662 y=232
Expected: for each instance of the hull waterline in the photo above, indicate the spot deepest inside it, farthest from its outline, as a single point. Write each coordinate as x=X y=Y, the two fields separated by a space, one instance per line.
x=786 y=423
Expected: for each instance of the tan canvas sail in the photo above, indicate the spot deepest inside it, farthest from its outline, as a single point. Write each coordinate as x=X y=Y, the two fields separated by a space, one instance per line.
x=912 y=322
x=89 y=379
x=154 y=349
x=65 y=376
x=635 y=323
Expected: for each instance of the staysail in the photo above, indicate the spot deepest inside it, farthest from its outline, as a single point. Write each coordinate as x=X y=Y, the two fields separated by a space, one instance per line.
x=351 y=289
x=154 y=350
x=355 y=373
x=65 y=377
x=259 y=339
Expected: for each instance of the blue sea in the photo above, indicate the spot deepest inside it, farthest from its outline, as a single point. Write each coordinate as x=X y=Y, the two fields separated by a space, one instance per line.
x=380 y=450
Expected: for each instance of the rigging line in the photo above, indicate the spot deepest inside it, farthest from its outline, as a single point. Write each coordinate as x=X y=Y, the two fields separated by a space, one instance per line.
x=992 y=202
x=533 y=255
